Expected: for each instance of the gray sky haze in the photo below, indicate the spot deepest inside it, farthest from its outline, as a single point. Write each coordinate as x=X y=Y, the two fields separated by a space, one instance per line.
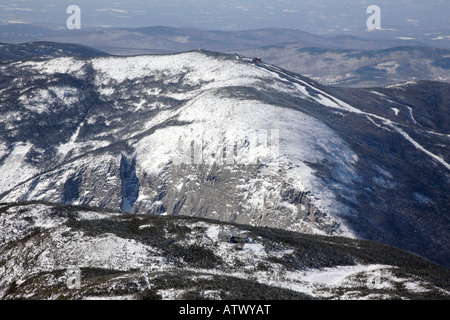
x=411 y=18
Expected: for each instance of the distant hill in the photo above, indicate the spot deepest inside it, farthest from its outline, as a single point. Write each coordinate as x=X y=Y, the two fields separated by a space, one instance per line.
x=43 y=50
x=161 y=39
x=359 y=68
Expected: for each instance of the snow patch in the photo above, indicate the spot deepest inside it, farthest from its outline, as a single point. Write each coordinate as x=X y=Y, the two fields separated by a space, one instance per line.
x=389 y=66
x=69 y=65
x=65 y=148
x=15 y=169
x=423 y=199
x=38 y=101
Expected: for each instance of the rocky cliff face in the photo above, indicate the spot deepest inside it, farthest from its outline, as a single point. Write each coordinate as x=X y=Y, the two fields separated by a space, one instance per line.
x=212 y=135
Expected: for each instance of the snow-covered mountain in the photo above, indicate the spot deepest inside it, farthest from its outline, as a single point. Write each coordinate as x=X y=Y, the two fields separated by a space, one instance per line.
x=219 y=136
x=64 y=252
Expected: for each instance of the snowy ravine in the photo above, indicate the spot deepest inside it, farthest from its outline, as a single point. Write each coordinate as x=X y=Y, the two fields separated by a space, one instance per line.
x=217 y=136
x=141 y=257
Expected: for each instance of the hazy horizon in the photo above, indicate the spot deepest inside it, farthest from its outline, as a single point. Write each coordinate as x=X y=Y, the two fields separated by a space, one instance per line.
x=412 y=17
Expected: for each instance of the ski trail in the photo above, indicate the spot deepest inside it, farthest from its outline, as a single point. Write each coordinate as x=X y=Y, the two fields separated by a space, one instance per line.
x=330 y=101
x=410 y=111
x=418 y=146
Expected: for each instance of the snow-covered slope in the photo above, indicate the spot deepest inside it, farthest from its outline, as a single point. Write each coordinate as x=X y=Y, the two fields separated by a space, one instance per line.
x=141 y=257
x=212 y=135
x=194 y=82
